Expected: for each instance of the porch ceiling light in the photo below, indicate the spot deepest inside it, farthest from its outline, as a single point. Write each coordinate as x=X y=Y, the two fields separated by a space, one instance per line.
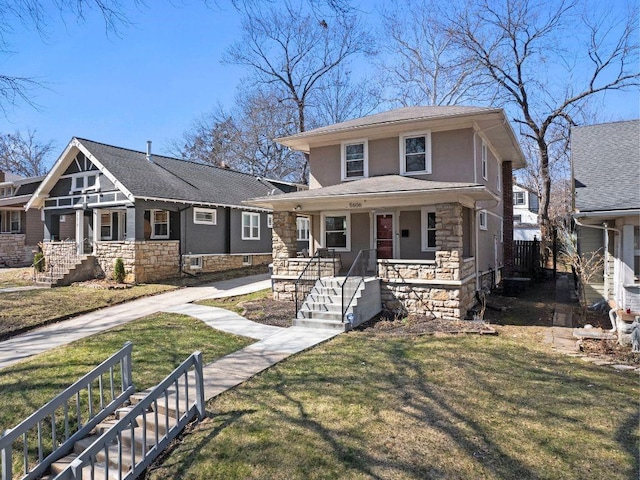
x=297 y=208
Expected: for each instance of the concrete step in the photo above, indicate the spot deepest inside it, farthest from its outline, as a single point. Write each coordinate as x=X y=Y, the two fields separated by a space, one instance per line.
x=99 y=470
x=170 y=405
x=307 y=314
x=320 y=324
x=321 y=298
x=113 y=454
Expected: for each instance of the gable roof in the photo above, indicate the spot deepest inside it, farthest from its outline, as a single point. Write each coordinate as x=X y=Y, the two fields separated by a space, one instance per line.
x=605 y=160
x=163 y=178
x=491 y=121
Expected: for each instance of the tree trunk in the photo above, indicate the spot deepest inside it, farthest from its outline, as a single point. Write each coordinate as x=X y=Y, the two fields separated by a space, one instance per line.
x=545 y=195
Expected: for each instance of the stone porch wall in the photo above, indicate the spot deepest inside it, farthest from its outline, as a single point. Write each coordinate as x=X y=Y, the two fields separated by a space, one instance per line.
x=14 y=252
x=287 y=271
x=157 y=260
x=107 y=252
x=220 y=262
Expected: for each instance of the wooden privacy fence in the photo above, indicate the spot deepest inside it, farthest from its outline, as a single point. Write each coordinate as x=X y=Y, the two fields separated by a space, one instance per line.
x=526 y=255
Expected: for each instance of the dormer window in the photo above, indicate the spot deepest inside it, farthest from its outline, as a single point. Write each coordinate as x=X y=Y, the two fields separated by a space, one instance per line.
x=415 y=153
x=355 y=161
x=84 y=181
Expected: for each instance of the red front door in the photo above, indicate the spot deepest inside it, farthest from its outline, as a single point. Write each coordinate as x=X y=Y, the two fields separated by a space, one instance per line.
x=384 y=235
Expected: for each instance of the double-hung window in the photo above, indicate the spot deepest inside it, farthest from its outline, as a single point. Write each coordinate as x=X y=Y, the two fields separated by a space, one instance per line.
x=302 y=226
x=336 y=232
x=159 y=224
x=106 y=227
x=250 y=226
x=518 y=198
x=355 y=160
x=415 y=153
x=428 y=229
x=14 y=226
x=204 y=216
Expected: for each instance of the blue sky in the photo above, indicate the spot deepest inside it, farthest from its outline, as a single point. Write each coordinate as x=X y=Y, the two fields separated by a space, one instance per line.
x=148 y=83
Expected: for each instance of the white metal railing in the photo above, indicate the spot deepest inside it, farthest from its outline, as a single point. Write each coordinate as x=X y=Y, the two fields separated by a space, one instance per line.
x=50 y=433
x=182 y=391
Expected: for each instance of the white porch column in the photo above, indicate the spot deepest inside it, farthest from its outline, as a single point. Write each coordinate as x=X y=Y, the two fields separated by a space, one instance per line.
x=79 y=231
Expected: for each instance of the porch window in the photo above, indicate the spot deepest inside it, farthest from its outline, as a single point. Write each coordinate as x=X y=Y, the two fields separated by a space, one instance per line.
x=204 y=216
x=302 y=226
x=636 y=254
x=428 y=229
x=355 y=160
x=14 y=224
x=415 y=153
x=484 y=160
x=106 y=227
x=518 y=198
x=250 y=226
x=336 y=231
x=159 y=224
x=269 y=220
x=482 y=219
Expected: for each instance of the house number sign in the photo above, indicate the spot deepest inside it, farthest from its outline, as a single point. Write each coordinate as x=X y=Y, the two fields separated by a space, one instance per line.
x=355 y=204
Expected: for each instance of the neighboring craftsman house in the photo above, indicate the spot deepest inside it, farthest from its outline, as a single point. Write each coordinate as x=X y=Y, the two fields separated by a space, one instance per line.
x=425 y=193
x=160 y=215
x=20 y=231
x=605 y=162
x=525 y=214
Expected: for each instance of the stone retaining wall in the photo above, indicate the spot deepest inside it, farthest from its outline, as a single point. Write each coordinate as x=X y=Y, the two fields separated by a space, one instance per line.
x=14 y=252
x=107 y=252
x=286 y=271
x=156 y=260
x=221 y=262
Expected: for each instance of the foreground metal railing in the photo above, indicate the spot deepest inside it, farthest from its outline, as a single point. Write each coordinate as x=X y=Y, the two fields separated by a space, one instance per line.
x=313 y=272
x=59 y=260
x=49 y=434
x=364 y=265
x=182 y=391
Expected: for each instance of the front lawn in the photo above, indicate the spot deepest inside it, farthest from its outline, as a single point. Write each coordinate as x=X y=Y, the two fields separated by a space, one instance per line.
x=418 y=407
x=160 y=343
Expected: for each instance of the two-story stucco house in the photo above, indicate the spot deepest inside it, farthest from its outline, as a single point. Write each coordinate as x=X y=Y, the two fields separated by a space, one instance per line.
x=525 y=214
x=161 y=215
x=20 y=231
x=425 y=193
x=605 y=161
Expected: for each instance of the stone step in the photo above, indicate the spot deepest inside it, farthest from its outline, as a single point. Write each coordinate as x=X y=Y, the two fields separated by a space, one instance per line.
x=113 y=454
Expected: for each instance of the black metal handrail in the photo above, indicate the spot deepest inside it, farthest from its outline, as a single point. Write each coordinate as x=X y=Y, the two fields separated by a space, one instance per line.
x=307 y=279
x=358 y=271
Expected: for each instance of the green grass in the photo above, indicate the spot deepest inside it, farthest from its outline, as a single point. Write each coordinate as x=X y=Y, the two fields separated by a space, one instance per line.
x=160 y=343
x=235 y=303
x=456 y=407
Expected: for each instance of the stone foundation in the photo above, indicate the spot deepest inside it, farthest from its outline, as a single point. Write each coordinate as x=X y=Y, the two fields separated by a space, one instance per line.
x=286 y=272
x=221 y=262
x=14 y=252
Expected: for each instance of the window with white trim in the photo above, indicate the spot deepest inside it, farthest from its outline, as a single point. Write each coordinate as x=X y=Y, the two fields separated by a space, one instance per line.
x=302 y=227
x=355 y=161
x=250 y=226
x=106 y=227
x=14 y=222
x=517 y=219
x=84 y=181
x=195 y=263
x=484 y=160
x=336 y=233
x=518 y=198
x=482 y=219
x=636 y=254
x=415 y=153
x=499 y=178
x=428 y=229
x=159 y=224
x=269 y=220
x=205 y=216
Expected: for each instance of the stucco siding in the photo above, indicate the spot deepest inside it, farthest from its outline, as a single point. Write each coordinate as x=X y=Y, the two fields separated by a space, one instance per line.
x=384 y=156
x=324 y=166
x=411 y=245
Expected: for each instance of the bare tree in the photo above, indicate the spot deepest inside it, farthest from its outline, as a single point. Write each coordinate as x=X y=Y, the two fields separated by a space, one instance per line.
x=424 y=66
x=23 y=154
x=289 y=47
x=547 y=59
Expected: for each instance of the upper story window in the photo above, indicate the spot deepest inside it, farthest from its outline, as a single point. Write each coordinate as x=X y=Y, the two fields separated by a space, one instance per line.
x=302 y=226
x=482 y=219
x=415 y=153
x=517 y=219
x=84 y=181
x=499 y=178
x=428 y=229
x=205 y=216
x=6 y=191
x=159 y=224
x=355 y=160
x=518 y=198
x=250 y=226
x=484 y=159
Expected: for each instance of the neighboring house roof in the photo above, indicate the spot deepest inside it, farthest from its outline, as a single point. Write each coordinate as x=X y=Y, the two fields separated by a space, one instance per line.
x=25 y=186
x=163 y=178
x=491 y=121
x=381 y=186
x=606 y=166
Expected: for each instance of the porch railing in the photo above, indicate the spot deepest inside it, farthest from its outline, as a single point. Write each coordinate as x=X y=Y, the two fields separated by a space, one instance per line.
x=58 y=261
x=364 y=264
x=69 y=417
x=185 y=386
x=311 y=273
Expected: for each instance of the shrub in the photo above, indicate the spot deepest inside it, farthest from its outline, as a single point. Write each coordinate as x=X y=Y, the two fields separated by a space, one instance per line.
x=118 y=270
x=38 y=261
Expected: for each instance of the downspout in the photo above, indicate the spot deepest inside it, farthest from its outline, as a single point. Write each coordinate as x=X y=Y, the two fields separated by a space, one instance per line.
x=606 y=228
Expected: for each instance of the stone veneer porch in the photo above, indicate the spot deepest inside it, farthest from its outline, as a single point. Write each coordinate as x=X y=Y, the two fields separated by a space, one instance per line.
x=443 y=288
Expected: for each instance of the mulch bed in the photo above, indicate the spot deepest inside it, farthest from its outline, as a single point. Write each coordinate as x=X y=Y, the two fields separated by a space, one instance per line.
x=388 y=324
x=269 y=312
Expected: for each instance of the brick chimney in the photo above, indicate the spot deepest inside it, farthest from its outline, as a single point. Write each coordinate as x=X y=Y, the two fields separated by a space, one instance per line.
x=507 y=219
x=2 y=177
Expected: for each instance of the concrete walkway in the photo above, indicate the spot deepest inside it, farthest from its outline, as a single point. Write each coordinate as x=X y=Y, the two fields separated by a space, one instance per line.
x=57 y=334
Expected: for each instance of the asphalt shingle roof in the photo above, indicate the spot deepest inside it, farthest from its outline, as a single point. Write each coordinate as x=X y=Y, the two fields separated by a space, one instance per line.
x=606 y=166
x=171 y=178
